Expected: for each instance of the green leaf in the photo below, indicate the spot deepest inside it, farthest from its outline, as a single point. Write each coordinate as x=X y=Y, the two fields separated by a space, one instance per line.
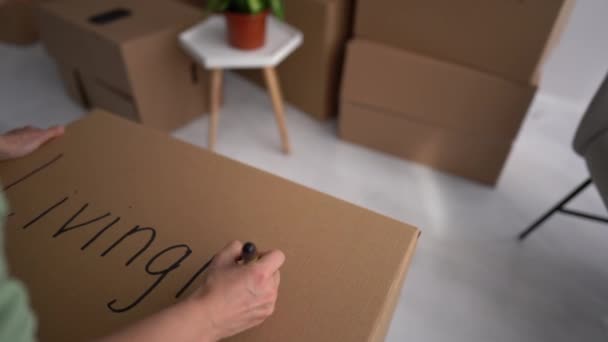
x=217 y=5
x=240 y=6
x=277 y=8
x=256 y=6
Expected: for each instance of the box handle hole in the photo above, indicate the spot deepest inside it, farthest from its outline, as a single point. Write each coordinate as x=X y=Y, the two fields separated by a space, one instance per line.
x=110 y=16
x=194 y=73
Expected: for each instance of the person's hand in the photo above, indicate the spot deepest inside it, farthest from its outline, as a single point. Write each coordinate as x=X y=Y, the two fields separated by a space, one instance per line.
x=238 y=297
x=23 y=141
x=232 y=298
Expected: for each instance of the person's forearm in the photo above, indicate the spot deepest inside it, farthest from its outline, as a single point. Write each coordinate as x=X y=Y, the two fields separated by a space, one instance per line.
x=184 y=322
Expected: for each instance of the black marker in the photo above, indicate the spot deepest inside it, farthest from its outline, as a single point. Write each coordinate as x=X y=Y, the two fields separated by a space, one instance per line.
x=249 y=253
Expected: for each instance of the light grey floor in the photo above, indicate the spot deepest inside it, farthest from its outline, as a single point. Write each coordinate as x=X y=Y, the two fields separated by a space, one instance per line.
x=470 y=280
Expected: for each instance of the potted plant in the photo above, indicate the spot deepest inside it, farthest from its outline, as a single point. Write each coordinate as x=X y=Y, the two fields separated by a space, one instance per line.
x=246 y=20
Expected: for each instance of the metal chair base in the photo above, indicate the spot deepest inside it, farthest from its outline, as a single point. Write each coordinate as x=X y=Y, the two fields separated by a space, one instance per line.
x=560 y=208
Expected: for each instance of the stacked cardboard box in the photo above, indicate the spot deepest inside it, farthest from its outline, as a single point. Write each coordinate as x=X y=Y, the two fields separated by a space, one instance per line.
x=310 y=76
x=441 y=82
x=18 y=22
x=123 y=56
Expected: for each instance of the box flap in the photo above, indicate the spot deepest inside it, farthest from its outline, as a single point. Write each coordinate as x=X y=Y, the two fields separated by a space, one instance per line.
x=433 y=92
x=505 y=37
x=342 y=261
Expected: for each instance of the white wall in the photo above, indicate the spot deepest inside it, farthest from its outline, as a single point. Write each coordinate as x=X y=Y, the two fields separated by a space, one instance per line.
x=579 y=62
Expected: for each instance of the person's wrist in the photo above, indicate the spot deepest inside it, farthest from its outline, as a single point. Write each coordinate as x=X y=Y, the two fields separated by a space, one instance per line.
x=200 y=305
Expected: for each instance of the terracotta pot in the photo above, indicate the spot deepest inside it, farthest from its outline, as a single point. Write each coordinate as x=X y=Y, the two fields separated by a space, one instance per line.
x=246 y=31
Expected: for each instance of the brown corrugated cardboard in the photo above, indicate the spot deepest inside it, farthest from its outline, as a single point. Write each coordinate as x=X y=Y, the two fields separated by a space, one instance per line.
x=88 y=91
x=17 y=22
x=114 y=100
x=73 y=84
x=434 y=92
x=310 y=76
x=444 y=115
x=475 y=157
x=505 y=37
x=554 y=38
x=344 y=264
x=135 y=57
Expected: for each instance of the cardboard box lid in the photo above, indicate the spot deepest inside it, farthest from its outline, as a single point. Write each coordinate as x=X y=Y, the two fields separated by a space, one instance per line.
x=506 y=37
x=432 y=91
x=144 y=18
x=344 y=264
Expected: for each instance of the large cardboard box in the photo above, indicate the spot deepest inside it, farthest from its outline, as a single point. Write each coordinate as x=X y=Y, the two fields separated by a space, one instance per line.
x=119 y=51
x=18 y=22
x=310 y=76
x=175 y=205
x=505 y=37
x=441 y=114
x=432 y=91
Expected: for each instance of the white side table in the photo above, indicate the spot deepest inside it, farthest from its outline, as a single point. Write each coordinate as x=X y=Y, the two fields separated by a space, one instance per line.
x=207 y=44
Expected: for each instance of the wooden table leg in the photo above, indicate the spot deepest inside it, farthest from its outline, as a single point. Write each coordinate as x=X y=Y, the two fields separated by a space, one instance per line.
x=221 y=87
x=272 y=82
x=215 y=98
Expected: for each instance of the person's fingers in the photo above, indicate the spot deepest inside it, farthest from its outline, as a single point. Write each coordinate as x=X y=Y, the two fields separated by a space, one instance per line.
x=265 y=310
x=40 y=137
x=276 y=277
x=57 y=131
x=229 y=254
x=19 y=130
x=270 y=262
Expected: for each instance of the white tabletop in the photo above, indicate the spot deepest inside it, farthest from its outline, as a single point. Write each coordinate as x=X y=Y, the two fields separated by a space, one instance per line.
x=207 y=43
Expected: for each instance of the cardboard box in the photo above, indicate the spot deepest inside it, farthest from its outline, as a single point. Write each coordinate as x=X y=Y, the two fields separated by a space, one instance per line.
x=435 y=92
x=504 y=37
x=470 y=156
x=127 y=50
x=430 y=111
x=18 y=22
x=344 y=264
x=310 y=76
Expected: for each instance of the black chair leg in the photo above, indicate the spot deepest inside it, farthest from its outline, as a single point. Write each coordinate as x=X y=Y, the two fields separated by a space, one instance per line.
x=557 y=208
